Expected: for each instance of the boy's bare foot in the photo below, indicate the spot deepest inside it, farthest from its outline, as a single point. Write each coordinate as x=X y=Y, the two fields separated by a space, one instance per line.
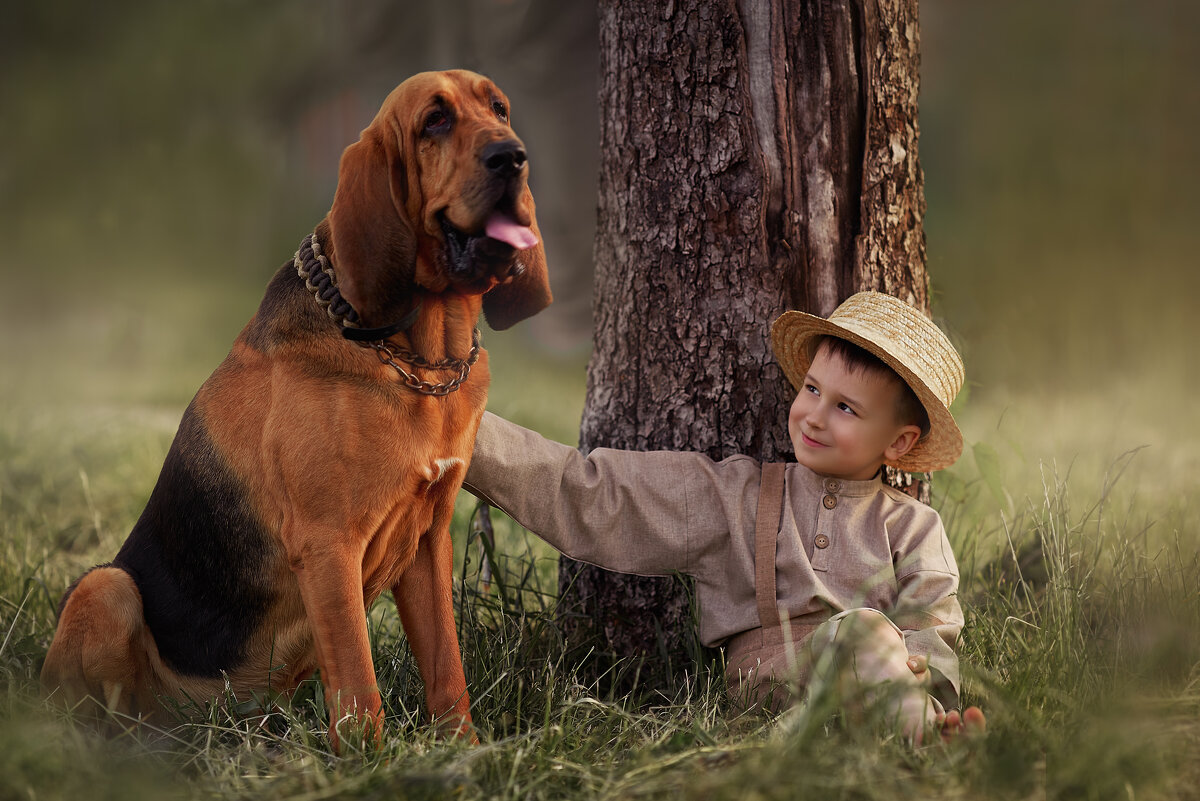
x=970 y=722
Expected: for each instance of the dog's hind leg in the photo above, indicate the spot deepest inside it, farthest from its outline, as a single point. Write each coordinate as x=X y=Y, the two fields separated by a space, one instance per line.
x=98 y=661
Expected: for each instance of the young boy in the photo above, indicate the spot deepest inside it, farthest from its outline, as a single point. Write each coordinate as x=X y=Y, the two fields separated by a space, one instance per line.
x=815 y=568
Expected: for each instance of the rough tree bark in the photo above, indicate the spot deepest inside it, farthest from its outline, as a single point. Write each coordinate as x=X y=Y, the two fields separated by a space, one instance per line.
x=755 y=155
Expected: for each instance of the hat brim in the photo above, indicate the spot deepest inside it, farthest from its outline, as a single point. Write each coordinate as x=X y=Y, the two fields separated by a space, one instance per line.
x=791 y=338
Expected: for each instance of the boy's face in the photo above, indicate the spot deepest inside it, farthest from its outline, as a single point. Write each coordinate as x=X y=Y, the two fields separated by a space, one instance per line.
x=843 y=424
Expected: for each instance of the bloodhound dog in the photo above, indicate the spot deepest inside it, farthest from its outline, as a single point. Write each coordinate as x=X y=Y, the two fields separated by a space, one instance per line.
x=318 y=465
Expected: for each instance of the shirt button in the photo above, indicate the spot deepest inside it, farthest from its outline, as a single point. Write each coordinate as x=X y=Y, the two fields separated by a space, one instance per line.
x=829 y=501
x=822 y=541
x=832 y=485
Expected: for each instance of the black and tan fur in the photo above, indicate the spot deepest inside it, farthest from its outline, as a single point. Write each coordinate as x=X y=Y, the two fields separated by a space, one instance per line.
x=305 y=478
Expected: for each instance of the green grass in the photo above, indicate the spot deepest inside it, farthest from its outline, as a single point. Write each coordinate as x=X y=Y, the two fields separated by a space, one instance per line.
x=1084 y=650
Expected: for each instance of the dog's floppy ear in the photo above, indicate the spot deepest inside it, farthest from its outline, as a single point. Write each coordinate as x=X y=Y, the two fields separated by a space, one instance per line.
x=527 y=293
x=374 y=248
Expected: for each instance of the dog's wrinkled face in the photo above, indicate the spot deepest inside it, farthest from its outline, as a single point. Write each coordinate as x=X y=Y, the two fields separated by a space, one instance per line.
x=435 y=194
x=468 y=191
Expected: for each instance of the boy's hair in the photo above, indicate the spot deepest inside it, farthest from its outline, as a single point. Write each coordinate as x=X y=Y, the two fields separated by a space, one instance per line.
x=909 y=410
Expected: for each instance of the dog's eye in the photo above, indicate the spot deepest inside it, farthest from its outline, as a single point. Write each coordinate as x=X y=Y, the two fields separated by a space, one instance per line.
x=437 y=122
x=500 y=110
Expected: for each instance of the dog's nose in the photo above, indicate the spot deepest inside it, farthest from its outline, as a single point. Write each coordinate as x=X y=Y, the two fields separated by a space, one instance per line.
x=505 y=158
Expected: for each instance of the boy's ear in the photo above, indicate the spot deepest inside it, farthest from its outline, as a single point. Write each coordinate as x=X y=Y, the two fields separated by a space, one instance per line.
x=905 y=440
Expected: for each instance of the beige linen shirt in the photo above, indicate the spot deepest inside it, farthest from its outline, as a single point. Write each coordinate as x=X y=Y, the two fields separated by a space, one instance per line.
x=841 y=544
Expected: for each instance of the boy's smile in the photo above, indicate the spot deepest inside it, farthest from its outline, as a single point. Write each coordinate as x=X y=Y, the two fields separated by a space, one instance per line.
x=843 y=422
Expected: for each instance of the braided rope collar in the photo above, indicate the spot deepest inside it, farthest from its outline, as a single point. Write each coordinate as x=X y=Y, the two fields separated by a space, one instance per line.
x=314 y=268
x=312 y=265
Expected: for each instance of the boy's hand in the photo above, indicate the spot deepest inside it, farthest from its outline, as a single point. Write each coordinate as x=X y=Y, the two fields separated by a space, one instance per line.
x=919 y=665
x=970 y=721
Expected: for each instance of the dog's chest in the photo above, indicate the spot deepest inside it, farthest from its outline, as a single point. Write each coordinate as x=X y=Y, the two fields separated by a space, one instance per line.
x=439 y=471
x=423 y=510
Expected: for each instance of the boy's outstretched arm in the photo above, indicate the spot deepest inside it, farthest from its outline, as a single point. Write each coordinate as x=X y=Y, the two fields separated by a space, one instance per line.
x=626 y=511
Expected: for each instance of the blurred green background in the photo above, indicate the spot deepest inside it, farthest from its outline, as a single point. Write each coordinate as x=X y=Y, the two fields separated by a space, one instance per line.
x=158 y=161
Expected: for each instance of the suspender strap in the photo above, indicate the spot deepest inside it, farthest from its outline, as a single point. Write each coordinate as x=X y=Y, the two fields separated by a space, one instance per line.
x=766 y=527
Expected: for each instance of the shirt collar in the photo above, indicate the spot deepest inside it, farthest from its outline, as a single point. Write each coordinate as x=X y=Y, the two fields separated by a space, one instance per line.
x=836 y=486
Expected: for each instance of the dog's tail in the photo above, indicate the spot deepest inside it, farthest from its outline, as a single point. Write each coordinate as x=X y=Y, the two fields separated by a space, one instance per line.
x=98 y=663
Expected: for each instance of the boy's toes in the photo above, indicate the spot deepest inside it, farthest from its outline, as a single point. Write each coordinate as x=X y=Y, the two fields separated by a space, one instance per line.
x=970 y=722
x=973 y=721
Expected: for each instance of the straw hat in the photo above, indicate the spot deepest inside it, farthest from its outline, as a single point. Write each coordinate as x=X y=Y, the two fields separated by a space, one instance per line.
x=904 y=339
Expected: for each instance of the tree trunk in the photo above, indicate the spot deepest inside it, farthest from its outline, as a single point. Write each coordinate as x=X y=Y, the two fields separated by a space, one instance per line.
x=755 y=156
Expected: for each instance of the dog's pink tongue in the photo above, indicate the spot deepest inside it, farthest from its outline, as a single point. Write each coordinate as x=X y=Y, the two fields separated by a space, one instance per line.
x=505 y=228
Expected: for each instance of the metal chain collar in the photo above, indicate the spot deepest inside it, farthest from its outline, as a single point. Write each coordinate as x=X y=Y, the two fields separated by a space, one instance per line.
x=388 y=355
x=313 y=266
